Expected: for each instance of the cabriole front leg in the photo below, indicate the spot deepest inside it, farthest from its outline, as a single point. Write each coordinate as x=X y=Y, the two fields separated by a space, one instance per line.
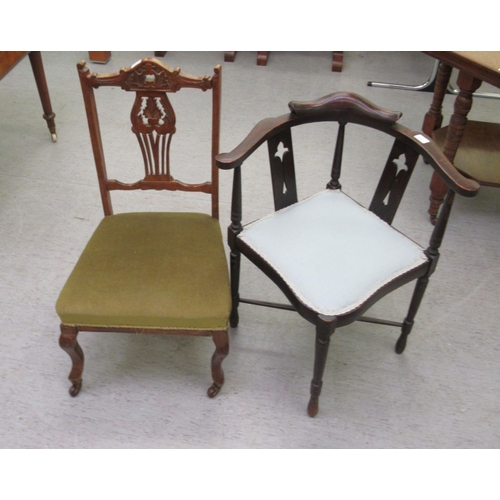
x=221 y=341
x=68 y=343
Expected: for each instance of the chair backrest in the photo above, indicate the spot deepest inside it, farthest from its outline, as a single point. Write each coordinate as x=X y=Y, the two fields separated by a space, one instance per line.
x=344 y=108
x=347 y=108
x=154 y=124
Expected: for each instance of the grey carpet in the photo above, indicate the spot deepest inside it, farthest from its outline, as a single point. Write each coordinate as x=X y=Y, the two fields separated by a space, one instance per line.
x=149 y=392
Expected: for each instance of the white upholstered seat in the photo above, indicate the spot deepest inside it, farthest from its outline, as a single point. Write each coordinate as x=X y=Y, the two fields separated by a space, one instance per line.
x=332 y=252
x=331 y=257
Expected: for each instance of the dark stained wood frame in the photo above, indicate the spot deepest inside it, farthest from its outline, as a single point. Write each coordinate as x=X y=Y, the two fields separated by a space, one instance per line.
x=153 y=79
x=343 y=108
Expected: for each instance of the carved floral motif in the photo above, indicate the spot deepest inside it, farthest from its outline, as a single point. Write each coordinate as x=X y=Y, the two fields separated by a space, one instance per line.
x=150 y=76
x=153 y=122
x=152 y=112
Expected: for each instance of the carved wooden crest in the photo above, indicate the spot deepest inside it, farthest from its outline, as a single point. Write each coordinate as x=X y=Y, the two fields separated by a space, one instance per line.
x=149 y=75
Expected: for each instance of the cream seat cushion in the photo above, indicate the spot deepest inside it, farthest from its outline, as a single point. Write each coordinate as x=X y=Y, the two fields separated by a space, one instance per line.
x=150 y=270
x=333 y=253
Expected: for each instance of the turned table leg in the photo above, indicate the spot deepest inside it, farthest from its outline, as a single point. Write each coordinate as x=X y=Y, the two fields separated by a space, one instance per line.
x=337 y=61
x=100 y=56
x=463 y=103
x=41 y=83
x=262 y=58
x=434 y=117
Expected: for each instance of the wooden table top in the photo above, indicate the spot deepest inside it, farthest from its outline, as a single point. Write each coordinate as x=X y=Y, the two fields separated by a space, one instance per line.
x=483 y=65
x=8 y=60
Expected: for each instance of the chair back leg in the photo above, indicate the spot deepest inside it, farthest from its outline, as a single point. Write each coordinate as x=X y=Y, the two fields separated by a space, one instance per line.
x=235 y=264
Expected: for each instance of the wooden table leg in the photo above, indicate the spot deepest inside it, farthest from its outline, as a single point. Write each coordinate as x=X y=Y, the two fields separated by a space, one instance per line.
x=337 y=61
x=41 y=83
x=262 y=58
x=434 y=117
x=100 y=56
x=463 y=103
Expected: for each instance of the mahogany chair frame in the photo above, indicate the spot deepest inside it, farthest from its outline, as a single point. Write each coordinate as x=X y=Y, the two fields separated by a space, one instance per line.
x=153 y=80
x=342 y=108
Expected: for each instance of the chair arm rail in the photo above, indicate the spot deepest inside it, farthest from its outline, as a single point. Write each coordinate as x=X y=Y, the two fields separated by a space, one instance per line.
x=340 y=104
x=258 y=135
x=431 y=153
x=348 y=107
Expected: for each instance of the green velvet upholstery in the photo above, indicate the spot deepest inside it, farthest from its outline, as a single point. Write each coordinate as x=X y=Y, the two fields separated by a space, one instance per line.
x=150 y=270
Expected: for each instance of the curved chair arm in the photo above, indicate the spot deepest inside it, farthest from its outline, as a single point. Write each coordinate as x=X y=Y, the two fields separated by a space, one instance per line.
x=340 y=105
x=435 y=157
x=264 y=129
x=349 y=107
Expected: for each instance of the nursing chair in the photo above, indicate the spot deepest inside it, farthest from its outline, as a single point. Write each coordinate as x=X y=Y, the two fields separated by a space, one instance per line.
x=332 y=258
x=151 y=272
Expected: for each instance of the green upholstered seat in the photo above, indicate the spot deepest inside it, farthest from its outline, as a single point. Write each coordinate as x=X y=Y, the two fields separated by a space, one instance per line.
x=150 y=270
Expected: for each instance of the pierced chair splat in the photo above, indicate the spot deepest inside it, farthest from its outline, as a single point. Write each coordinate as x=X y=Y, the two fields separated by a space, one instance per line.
x=150 y=272
x=330 y=256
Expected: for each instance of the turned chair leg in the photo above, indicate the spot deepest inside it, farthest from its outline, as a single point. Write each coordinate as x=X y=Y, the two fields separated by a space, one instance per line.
x=235 y=264
x=324 y=330
x=221 y=341
x=408 y=323
x=68 y=342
